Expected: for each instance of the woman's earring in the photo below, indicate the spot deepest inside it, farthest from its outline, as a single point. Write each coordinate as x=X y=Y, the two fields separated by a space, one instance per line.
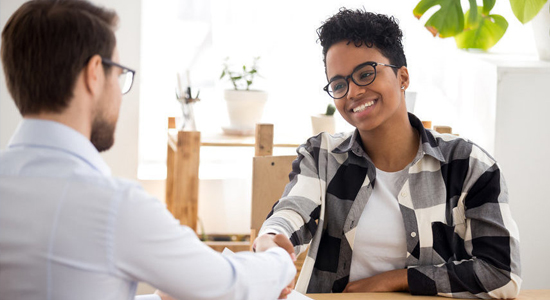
x=402 y=87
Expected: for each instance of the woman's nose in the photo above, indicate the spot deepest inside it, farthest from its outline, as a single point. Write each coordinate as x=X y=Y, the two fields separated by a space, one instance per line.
x=355 y=90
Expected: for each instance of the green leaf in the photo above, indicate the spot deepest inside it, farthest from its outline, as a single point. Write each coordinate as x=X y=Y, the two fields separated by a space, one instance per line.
x=487 y=6
x=525 y=10
x=223 y=74
x=447 y=21
x=472 y=18
x=423 y=6
x=490 y=30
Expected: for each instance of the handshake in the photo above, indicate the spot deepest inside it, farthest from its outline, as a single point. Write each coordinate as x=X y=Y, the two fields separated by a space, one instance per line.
x=267 y=241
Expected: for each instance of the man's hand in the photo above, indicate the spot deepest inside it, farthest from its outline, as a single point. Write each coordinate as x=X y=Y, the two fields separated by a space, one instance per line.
x=391 y=281
x=286 y=290
x=266 y=241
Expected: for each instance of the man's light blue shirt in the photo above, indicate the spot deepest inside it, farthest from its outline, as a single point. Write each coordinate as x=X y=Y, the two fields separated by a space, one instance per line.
x=68 y=230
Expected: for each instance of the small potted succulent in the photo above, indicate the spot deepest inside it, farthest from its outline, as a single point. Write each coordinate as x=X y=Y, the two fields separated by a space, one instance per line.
x=324 y=122
x=244 y=105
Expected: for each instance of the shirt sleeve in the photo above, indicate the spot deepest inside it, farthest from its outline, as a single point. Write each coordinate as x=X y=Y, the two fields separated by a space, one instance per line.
x=491 y=241
x=149 y=245
x=298 y=210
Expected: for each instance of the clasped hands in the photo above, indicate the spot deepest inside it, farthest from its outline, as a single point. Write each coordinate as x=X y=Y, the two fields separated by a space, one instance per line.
x=266 y=241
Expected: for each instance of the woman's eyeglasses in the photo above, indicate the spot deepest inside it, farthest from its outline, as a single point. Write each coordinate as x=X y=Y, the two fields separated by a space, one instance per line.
x=364 y=74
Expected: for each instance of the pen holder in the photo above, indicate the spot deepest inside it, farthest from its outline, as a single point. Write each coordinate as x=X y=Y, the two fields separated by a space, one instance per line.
x=188 y=113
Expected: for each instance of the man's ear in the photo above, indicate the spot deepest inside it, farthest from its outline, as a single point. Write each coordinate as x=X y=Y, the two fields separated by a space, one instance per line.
x=93 y=75
x=403 y=77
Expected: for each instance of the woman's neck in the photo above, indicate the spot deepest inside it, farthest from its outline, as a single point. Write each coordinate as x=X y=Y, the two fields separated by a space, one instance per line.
x=391 y=146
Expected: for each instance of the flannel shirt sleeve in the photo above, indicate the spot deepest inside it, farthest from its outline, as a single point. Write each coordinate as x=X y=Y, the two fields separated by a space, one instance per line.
x=297 y=212
x=486 y=232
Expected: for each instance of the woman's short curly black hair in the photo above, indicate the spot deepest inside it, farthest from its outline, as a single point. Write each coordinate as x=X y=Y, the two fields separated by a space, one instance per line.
x=364 y=28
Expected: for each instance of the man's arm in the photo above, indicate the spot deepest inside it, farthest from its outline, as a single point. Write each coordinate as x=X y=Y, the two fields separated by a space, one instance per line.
x=149 y=245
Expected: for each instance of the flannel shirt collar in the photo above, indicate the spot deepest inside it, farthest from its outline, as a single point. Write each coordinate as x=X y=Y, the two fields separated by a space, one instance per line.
x=429 y=144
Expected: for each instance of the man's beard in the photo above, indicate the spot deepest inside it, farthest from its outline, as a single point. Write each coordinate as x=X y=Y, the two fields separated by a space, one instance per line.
x=103 y=134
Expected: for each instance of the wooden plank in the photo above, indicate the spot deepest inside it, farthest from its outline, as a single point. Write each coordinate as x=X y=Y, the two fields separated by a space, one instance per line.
x=264 y=139
x=269 y=178
x=186 y=178
x=170 y=159
x=173 y=140
x=171 y=122
x=443 y=129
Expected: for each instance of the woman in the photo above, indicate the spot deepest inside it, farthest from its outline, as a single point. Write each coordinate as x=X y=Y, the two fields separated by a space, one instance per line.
x=392 y=206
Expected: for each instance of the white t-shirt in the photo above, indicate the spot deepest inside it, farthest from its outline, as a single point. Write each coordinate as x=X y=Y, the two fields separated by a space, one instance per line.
x=380 y=243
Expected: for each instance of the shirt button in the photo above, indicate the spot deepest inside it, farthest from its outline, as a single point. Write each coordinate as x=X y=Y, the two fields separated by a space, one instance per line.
x=413 y=234
x=403 y=194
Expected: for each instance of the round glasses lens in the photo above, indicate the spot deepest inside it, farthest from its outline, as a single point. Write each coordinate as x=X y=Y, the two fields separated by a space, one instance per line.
x=365 y=75
x=338 y=88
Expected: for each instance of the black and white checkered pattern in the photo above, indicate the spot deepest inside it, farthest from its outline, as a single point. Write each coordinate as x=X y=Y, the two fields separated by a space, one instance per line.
x=461 y=239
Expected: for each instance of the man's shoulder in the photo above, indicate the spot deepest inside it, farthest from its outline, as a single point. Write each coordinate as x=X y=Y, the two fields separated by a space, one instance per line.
x=51 y=168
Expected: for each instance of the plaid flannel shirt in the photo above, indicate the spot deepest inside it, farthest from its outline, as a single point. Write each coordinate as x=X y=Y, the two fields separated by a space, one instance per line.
x=461 y=239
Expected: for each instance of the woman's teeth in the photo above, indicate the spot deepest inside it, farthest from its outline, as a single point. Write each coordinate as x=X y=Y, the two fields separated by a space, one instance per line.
x=363 y=107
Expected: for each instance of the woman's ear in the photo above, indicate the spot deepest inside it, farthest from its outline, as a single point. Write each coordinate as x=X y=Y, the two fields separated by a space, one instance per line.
x=403 y=77
x=94 y=75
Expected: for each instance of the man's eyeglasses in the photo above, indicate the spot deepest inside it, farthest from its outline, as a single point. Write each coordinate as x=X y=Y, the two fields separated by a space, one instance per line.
x=125 y=79
x=364 y=74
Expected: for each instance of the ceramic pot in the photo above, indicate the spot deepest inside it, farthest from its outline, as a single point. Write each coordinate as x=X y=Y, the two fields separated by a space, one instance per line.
x=245 y=109
x=322 y=123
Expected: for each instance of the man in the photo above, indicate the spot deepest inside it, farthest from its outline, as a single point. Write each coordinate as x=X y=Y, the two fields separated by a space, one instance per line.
x=68 y=230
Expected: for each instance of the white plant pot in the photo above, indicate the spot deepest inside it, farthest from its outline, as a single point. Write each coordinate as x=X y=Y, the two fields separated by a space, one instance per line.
x=322 y=123
x=245 y=110
x=541 y=32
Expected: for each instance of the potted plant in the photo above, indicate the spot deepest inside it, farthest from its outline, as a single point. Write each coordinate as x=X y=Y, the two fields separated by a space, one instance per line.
x=477 y=28
x=324 y=122
x=244 y=105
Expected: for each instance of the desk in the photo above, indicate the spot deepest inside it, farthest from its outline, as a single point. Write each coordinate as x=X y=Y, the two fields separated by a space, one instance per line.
x=524 y=295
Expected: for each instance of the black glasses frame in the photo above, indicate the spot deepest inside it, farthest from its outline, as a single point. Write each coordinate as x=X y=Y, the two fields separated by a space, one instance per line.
x=124 y=69
x=350 y=76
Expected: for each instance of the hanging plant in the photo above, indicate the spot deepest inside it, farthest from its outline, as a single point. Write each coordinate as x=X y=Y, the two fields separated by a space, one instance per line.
x=477 y=28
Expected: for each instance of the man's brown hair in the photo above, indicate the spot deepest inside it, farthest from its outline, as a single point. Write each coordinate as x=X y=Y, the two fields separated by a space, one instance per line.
x=45 y=45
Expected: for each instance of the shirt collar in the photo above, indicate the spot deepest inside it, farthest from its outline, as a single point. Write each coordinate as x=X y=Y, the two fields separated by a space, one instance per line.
x=429 y=143
x=54 y=135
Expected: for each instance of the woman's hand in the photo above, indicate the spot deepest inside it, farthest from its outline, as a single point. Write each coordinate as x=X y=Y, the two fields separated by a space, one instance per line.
x=391 y=281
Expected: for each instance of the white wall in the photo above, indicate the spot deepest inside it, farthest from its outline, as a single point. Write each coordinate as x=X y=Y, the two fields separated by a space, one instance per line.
x=506 y=104
x=9 y=115
x=522 y=146
x=123 y=157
